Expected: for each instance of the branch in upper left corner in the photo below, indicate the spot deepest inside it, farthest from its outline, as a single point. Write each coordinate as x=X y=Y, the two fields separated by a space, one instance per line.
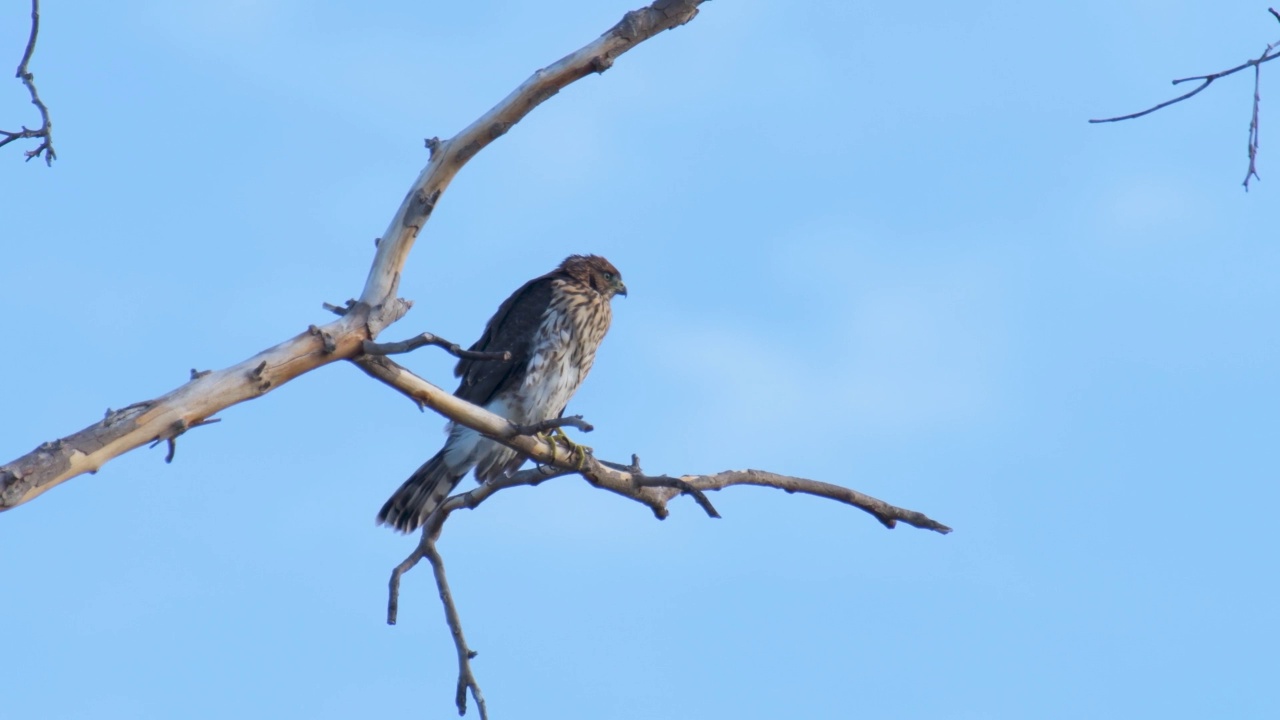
x=45 y=132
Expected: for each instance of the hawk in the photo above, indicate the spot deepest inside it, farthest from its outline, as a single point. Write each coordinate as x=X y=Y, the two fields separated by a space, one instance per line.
x=552 y=327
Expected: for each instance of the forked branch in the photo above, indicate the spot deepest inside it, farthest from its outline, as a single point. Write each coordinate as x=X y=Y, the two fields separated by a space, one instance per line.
x=44 y=133
x=1270 y=53
x=557 y=460
x=53 y=463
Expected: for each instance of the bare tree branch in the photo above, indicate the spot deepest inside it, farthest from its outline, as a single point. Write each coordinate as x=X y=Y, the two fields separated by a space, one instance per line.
x=351 y=337
x=45 y=132
x=87 y=450
x=448 y=156
x=426 y=338
x=1270 y=53
x=626 y=480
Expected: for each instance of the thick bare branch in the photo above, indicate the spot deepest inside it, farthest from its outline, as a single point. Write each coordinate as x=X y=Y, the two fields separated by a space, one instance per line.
x=448 y=156
x=56 y=462
x=45 y=132
x=628 y=481
x=171 y=414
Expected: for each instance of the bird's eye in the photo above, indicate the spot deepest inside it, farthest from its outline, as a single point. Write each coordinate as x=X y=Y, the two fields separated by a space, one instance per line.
x=608 y=276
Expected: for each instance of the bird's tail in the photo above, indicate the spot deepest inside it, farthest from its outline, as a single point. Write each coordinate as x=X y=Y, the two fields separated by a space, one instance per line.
x=422 y=493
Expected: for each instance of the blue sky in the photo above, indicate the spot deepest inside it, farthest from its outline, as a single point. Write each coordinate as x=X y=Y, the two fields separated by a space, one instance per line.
x=874 y=244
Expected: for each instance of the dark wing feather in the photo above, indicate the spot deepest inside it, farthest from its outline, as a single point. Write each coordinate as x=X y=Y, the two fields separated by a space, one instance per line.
x=512 y=329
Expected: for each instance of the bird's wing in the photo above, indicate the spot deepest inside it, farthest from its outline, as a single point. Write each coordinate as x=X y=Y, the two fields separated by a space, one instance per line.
x=513 y=329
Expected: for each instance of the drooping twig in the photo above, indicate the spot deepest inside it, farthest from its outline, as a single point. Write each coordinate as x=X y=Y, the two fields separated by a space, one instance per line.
x=45 y=132
x=1270 y=53
x=54 y=463
x=1252 y=172
x=466 y=678
x=179 y=427
x=426 y=338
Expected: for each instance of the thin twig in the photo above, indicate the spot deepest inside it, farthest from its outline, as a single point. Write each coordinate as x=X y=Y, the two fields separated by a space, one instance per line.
x=466 y=678
x=888 y=515
x=1253 y=124
x=684 y=486
x=1205 y=81
x=426 y=338
x=45 y=132
x=1161 y=106
x=574 y=421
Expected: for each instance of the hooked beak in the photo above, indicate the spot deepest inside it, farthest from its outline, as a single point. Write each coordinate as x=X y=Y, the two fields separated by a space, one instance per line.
x=620 y=289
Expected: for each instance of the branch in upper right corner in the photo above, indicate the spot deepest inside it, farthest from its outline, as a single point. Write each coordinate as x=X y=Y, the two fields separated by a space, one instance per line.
x=1271 y=53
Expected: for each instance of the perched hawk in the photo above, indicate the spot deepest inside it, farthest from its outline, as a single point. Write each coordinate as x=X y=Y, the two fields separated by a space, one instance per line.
x=552 y=327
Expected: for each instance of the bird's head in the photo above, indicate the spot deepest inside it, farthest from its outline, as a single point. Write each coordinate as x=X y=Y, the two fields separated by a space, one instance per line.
x=595 y=272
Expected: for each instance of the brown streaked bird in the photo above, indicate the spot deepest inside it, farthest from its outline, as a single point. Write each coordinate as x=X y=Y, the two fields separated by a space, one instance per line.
x=552 y=327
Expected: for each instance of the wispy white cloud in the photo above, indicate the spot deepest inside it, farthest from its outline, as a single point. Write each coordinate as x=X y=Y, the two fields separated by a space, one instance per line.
x=1147 y=207
x=896 y=346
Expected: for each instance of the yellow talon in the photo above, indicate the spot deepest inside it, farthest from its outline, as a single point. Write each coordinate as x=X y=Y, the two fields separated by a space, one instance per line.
x=549 y=440
x=580 y=451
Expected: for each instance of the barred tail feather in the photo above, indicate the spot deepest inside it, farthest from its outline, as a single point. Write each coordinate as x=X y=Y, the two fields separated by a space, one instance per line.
x=422 y=493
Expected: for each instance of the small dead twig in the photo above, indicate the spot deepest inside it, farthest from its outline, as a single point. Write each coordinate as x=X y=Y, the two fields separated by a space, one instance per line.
x=328 y=344
x=179 y=427
x=426 y=338
x=685 y=488
x=574 y=421
x=339 y=310
x=45 y=132
x=1270 y=53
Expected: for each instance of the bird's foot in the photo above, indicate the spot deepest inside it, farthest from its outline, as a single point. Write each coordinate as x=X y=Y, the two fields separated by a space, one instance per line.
x=577 y=452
